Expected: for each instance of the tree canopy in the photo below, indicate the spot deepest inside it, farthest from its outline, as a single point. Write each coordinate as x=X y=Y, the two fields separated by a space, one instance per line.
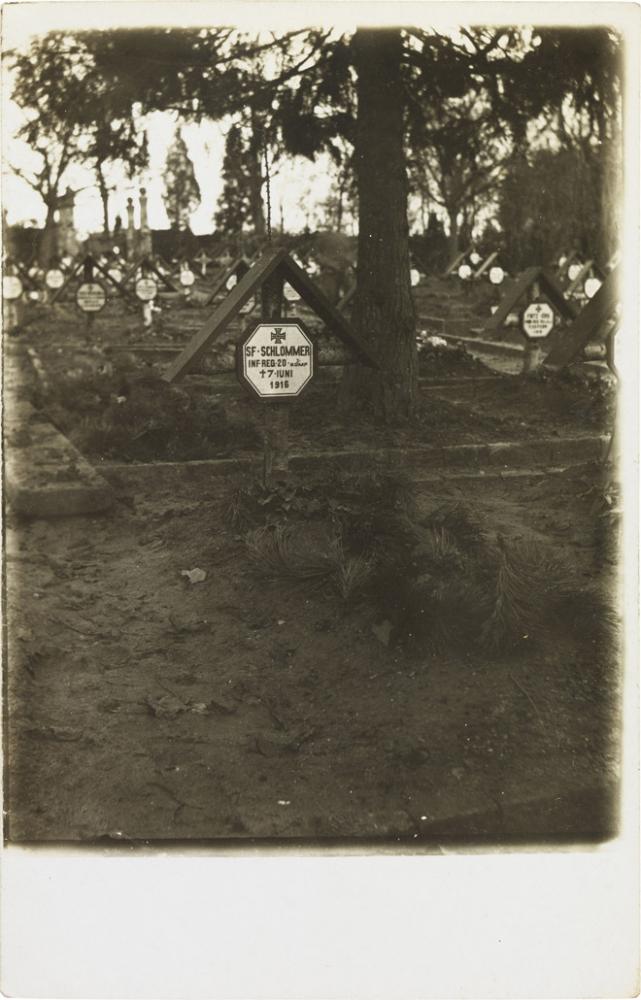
x=462 y=112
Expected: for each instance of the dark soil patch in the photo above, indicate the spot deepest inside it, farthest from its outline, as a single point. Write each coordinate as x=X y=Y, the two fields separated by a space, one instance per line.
x=144 y=706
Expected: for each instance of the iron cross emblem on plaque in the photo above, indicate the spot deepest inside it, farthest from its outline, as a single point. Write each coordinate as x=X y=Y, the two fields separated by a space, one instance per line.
x=278 y=334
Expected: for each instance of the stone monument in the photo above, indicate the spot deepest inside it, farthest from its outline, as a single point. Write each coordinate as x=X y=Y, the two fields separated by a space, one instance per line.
x=67 y=242
x=131 y=232
x=144 y=248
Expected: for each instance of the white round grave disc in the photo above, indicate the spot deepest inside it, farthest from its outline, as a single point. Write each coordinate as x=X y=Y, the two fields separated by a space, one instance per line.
x=11 y=286
x=591 y=287
x=91 y=297
x=54 y=278
x=146 y=289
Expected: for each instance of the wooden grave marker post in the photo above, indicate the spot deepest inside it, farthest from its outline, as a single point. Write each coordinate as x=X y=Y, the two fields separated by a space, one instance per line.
x=267 y=277
x=531 y=285
x=276 y=416
x=91 y=296
x=146 y=288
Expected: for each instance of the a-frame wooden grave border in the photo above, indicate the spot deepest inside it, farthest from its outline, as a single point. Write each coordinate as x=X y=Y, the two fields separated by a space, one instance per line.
x=521 y=290
x=492 y=260
x=591 y=324
x=238 y=268
x=90 y=261
x=267 y=276
x=275 y=267
x=458 y=260
x=148 y=264
x=22 y=272
x=586 y=269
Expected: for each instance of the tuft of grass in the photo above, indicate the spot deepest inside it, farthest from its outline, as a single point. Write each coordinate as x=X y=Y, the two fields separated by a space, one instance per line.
x=297 y=554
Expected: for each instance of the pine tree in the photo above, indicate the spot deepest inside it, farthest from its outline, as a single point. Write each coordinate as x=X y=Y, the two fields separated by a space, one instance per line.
x=234 y=212
x=182 y=193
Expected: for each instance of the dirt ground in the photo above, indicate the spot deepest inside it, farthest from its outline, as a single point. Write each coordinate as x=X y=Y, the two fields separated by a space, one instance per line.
x=147 y=704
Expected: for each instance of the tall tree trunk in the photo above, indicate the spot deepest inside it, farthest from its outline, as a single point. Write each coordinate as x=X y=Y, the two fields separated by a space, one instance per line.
x=383 y=307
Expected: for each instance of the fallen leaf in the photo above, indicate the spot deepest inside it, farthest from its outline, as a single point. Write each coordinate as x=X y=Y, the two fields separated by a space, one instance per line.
x=194 y=575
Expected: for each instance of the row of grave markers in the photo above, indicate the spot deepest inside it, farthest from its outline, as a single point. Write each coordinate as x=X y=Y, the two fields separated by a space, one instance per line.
x=581 y=279
x=543 y=299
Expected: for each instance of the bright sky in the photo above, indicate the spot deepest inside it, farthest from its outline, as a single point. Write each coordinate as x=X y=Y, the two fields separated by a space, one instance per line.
x=300 y=187
x=291 y=184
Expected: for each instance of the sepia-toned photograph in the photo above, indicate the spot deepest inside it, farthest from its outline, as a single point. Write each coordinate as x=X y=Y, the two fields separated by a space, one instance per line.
x=313 y=502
